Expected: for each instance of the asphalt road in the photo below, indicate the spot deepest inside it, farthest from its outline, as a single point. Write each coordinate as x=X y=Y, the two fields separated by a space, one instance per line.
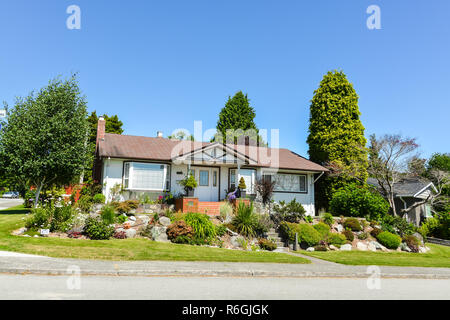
x=7 y=203
x=213 y=288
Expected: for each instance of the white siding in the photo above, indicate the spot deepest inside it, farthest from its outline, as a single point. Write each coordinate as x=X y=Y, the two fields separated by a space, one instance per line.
x=112 y=174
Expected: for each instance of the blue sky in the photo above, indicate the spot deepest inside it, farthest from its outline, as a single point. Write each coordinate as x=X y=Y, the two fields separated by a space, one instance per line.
x=160 y=65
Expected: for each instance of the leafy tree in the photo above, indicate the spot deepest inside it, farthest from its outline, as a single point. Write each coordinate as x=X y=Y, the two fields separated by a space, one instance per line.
x=112 y=125
x=44 y=140
x=236 y=122
x=181 y=135
x=336 y=135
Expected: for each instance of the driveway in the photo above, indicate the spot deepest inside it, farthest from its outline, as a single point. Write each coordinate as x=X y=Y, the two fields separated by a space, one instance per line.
x=8 y=203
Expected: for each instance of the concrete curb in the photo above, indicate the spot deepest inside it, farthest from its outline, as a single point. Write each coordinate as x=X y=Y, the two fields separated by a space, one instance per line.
x=219 y=273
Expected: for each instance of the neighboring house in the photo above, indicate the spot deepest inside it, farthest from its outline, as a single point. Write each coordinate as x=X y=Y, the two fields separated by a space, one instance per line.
x=154 y=165
x=407 y=193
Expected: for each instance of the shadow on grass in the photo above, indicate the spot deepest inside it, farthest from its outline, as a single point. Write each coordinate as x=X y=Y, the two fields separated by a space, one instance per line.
x=15 y=210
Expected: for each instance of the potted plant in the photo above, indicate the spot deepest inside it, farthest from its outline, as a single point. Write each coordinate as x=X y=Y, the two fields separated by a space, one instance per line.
x=189 y=184
x=242 y=187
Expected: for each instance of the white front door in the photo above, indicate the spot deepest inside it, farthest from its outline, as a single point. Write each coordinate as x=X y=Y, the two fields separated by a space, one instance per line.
x=207 y=183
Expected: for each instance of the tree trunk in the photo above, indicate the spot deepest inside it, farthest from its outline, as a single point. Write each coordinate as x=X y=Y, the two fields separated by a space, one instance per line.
x=38 y=191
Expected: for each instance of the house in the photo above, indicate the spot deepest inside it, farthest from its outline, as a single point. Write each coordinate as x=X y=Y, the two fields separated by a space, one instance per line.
x=408 y=192
x=154 y=165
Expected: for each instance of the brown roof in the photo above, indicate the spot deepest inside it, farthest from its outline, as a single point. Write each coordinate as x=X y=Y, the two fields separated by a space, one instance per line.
x=149 y=148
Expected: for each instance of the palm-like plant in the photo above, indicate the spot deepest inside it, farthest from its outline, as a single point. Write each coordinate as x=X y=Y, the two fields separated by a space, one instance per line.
x=245 y=220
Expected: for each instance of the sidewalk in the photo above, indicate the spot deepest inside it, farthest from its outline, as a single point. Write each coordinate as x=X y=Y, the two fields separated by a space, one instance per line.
x=28 y=264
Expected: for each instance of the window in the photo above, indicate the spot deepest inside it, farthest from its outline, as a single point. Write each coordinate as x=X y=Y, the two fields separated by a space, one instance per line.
x=204 y=178
x=214 y=178
x=126 y=175
x=146 y=176
x=232 y=179
x=290 y=182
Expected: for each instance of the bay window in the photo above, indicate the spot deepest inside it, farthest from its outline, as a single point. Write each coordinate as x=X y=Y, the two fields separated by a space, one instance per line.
x=146 y=176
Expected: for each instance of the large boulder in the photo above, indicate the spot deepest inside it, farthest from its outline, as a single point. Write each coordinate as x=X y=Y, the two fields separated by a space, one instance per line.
x=404 y=247
x=419 y=237
x=371 y=246
x=236 y=241
x=310 y=249
x=339 y=228
x=165 y=221
x=131 y=233
x=362 y=246
x=159 y=234
x=346 y=247
x=333 y=248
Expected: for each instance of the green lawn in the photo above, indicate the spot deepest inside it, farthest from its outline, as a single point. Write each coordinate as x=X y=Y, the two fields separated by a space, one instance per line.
x=129 y=249
x=438 y=256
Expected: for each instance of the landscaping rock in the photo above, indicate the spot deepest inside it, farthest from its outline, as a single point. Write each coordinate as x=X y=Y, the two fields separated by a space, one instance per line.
x=131 y=233
x=236 y=241
x=165 y=221
x=346 y=247
x=418 y=236
x=310 y=249
x=362 y=246
x=378 y=246
x=339 y=228
x=371 y=247
x=159 y=234
x=404 y=247
x=97 y=207
x=132 y=218
x=94 y=215
x=19 y=231
x=334 y=248
x=423 y=249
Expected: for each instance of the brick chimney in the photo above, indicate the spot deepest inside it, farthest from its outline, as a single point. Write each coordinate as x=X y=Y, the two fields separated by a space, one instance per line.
x=100 y=130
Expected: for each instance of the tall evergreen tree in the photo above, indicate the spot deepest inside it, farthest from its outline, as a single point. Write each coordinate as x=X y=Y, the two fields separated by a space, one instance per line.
x=236 y=115
x=336 y=134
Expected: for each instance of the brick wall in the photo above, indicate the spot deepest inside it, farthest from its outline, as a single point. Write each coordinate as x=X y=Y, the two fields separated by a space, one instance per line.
x=210 y=208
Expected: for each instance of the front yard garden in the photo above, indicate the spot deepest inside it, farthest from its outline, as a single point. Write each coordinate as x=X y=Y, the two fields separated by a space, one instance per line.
x=126 y=249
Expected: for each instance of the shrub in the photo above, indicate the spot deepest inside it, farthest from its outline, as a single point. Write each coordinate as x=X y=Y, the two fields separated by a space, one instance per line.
x=97 y=229
x=122 y=207
x=226 y=211
x=389 y=240
x=352 y=224
x=183 y=240
x=201 y=224
x=323 y=229
x=264 y=188
x=327 y=219
x=179 y=229
x=309 y=219
x=263 y=223
x=85 y=203
x=348 y=235
x=133 y=204
x=40 y=218
x=108 y=214
x=320 y=248
x=336 y=239
x=306 y=233
x=245 y=221
x=397 y=225
x=62 y=217
x=221 y=230
x=120 y=235
x=437 y=226
x=267 y=244
x=358 y=201
x=375 y=232
x=291 y=212
x=121 y=218
x=98 y=198
x=363 y=236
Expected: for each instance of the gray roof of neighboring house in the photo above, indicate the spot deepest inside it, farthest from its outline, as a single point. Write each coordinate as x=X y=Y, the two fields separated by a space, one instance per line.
x=407 y=187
